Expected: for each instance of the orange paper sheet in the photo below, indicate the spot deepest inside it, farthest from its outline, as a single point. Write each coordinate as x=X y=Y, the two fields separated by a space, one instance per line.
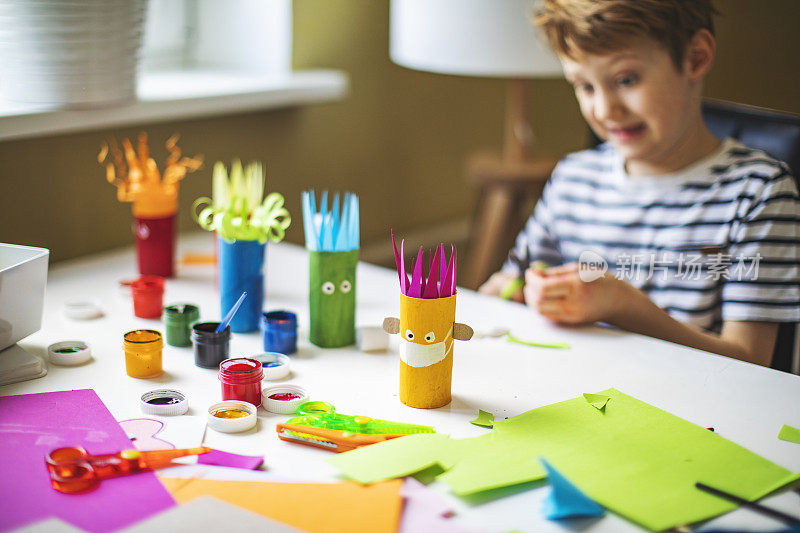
x=314 y=507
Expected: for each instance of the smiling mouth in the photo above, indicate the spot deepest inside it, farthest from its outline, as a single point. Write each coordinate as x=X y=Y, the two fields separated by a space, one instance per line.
x=628 y=133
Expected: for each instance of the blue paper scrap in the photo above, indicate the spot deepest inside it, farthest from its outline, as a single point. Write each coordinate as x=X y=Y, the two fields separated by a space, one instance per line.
x=565 y=499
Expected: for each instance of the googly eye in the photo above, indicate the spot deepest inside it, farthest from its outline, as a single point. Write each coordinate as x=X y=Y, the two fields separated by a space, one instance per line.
x=345 y=286
x=409 y=335
x=328 y=287
x=430 y=337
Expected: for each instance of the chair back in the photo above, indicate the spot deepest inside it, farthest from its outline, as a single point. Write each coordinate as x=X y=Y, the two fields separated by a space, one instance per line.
x=778 y=134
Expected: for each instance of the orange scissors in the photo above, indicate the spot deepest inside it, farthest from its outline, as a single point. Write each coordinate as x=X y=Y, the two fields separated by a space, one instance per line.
x=74 y=470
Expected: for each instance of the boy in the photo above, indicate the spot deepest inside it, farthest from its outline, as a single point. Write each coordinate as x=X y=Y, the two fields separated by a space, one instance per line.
x=701 y=237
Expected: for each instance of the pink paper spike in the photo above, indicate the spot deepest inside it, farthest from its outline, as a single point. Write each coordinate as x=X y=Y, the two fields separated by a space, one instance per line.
x=416 y=278
x=448 y=284
x=401 y=273
x=432 y=286
x=442 y=268
x=403 y=277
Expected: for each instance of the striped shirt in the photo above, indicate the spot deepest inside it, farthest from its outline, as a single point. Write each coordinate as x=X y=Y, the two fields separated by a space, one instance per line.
x=718 y=240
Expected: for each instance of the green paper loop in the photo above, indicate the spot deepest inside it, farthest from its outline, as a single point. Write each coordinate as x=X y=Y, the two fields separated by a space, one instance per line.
x=234 y=222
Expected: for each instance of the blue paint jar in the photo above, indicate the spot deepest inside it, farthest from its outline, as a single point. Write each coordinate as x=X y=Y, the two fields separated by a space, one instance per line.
x=280 y=331
x=241 y=265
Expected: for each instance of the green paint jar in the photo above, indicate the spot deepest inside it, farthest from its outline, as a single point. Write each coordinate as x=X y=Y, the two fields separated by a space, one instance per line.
x=178 y=322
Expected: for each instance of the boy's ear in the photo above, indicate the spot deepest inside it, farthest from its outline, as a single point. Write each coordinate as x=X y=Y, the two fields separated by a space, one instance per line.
x=700 y=52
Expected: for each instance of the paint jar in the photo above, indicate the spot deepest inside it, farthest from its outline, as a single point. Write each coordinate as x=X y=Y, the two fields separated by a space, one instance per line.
x=210 y=348
x=241 y=380
x=178 y=321
x=148 y=295
x=280 y=331
x=332 y=298
x=240 y=269
x=155 y=245
x=143 y=353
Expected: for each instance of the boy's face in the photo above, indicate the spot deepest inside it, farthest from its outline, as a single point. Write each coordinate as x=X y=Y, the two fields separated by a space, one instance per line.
x=637 y=100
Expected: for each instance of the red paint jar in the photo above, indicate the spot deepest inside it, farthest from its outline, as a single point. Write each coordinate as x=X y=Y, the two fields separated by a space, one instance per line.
x=155 y=245
x=241 y=380
x=148 y=296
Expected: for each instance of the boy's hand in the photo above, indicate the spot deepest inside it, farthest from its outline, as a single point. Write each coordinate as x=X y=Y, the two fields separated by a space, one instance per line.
x=560 y=295
x=497 y=284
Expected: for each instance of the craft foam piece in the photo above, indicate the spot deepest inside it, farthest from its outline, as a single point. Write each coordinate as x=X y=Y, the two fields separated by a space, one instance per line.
x=565 y=499
x=484 y=419
x=312 y=507
x=209 y=514
x=597 y=451
x=31 y=426
x=332 y=298
x=788 y=433
x=597 y=400
x=231 y=460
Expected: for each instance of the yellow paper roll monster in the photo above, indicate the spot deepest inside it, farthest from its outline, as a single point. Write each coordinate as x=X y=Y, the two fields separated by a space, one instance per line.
x=427 y=328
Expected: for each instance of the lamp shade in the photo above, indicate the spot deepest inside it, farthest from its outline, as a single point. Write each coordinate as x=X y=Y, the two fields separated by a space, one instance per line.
x=493 y=38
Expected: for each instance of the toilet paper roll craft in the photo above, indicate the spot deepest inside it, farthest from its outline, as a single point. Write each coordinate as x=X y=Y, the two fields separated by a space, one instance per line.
x=427 y=327
x=332 y=241
x=154 y=197
x=244 y=221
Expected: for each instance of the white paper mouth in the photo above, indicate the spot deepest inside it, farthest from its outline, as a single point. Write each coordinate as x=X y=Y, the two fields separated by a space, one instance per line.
x=418 y=355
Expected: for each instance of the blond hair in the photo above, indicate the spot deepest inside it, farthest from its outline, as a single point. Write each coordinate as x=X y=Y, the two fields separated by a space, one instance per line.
x=575 y=27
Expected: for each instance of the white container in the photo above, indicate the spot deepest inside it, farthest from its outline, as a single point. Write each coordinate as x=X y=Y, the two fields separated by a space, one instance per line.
x=23 y=276
x=70 y=52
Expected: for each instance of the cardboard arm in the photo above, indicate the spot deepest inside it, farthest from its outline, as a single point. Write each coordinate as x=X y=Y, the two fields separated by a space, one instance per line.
x=462 y=332
x=391 y=325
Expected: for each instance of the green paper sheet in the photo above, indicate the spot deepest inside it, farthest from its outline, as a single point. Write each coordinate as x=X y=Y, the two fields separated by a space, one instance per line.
x=632 y=458
x=484 y=420
x=790 y=434
x=332 y=298
x=599 y=401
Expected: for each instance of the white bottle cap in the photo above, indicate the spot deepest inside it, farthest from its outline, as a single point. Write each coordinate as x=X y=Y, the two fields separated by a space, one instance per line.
x=372 y=339
x=283 y=407
x=164 y=402
x=232 y=425
x=275 y=365
x=69 y=353
x=82 y=309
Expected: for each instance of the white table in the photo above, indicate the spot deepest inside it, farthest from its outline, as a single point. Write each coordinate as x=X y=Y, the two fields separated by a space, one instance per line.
x=745 y=403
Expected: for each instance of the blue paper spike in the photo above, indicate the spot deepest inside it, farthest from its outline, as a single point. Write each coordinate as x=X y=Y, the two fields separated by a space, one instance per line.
x=308 y=220
x=327 y=232
x=355 y=232
x=343 y=232
x=335 y=222
x=565 y=499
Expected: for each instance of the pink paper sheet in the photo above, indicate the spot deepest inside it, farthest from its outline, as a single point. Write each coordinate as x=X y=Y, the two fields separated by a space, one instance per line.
x=425 y=510
x=31 y=425
x=231 y=460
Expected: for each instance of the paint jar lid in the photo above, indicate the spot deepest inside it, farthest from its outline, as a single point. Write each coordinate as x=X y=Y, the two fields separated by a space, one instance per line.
x=82 y=309
x=69 y=353
x=236 y=416
x=283 y=399
x=276 y=365
x=164 y=402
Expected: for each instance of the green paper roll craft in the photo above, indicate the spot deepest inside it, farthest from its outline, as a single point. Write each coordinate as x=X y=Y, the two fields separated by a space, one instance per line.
x=332 y=240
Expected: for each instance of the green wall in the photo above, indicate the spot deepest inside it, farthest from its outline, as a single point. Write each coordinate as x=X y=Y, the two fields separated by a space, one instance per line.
x=399 y=139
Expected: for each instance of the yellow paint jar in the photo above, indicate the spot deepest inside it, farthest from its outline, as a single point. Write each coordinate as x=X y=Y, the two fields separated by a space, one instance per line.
x=143 y=353
x=426 y=350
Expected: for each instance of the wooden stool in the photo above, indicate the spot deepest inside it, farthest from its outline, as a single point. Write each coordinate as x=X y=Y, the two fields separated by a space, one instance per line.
x=505 y=185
